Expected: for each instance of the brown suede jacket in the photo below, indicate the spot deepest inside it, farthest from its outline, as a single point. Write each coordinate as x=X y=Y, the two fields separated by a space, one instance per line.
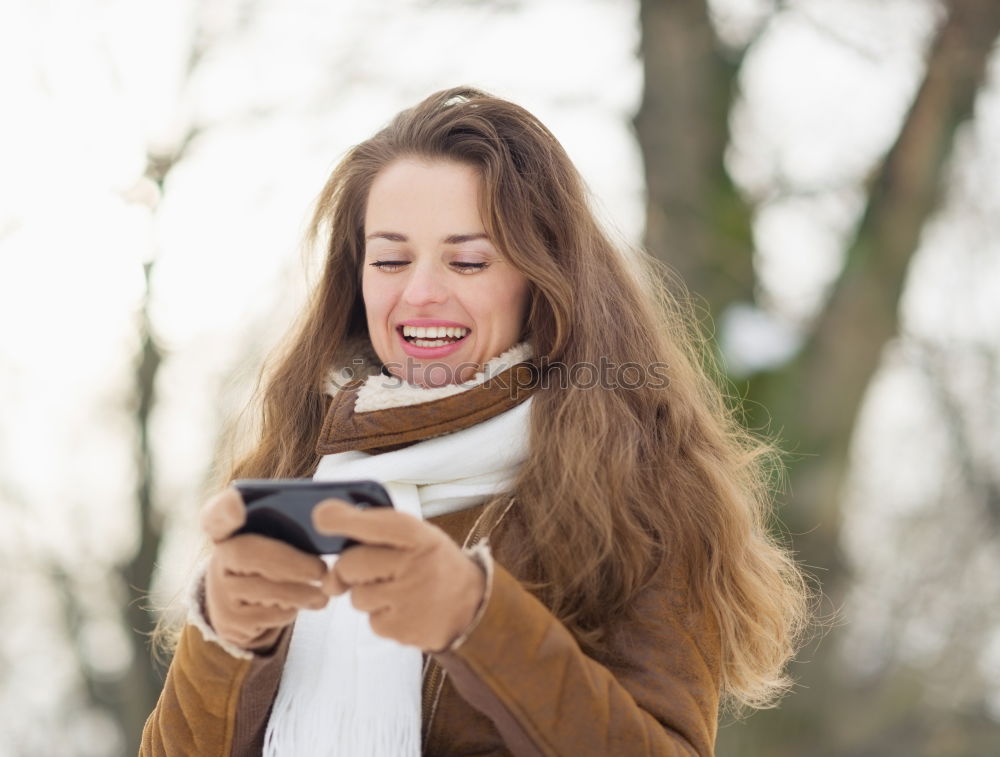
x=517 y=683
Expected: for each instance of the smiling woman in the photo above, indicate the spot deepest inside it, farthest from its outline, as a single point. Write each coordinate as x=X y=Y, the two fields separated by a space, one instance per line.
x=575 y=563
x=436 y=272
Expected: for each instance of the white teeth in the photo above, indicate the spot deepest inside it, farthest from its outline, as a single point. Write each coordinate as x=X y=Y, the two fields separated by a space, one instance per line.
x=435 y=332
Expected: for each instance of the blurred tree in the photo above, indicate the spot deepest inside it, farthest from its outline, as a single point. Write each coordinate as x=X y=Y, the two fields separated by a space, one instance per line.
x=129 y=698
x=700 y=225
x=696 y=220
x=139 y=689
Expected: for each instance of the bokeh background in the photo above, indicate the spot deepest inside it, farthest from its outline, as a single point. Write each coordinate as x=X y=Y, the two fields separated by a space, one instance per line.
x=823 y=174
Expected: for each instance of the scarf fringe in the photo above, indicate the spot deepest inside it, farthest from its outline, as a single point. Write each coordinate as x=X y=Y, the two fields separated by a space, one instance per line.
x=368 y=688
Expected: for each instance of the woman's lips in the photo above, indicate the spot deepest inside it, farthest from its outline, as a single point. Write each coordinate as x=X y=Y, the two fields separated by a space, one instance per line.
x=428 y=352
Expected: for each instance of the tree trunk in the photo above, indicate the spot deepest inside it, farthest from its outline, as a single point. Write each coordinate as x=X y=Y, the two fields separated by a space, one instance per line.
x=141 y=686
x=696 y=221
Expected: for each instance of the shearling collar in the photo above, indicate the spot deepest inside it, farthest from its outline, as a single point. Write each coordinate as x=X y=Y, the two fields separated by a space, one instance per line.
x=377 y=414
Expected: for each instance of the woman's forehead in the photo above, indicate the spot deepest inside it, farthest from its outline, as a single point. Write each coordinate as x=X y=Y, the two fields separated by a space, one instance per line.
x=417 y=196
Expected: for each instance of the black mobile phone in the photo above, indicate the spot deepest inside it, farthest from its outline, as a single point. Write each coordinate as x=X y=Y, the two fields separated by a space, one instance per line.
x=281 y=508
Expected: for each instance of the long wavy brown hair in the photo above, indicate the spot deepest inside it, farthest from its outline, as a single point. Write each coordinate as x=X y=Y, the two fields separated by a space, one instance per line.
x=619 y=478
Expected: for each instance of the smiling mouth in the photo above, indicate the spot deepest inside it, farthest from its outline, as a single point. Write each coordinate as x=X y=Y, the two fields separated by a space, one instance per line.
x=433 y=336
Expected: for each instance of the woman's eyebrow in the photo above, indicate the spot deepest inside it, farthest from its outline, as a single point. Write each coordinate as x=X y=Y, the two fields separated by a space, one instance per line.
x=394 y=236
x=460 y=238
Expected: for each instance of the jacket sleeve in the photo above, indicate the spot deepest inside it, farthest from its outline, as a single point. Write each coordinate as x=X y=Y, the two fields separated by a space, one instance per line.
x=213 y=703
x=523 y=669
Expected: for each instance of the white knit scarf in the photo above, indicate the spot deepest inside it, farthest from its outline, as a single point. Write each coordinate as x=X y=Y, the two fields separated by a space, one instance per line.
x=346 y=692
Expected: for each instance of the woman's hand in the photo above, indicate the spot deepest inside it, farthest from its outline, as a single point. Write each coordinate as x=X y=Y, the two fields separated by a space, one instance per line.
x=409 y=576
x=254 y=585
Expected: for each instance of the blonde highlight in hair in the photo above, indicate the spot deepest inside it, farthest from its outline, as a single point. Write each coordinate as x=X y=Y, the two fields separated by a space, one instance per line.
x=619 y=478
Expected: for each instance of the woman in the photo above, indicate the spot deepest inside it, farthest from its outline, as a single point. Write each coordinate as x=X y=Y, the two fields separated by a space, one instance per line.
x=594 y=574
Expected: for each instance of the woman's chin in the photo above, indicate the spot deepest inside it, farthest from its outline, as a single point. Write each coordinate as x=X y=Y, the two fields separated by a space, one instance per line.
x=434 y=376
x=430 y=376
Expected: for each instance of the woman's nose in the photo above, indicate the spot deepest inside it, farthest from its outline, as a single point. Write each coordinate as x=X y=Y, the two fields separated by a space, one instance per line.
x=426 y=285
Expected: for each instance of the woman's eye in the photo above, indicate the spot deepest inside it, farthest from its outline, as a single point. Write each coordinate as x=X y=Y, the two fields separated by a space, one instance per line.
x=388 y=265
x=462 y=266
x=396 y=265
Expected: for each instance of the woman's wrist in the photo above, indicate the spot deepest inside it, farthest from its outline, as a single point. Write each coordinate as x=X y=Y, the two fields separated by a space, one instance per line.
x=482 y=560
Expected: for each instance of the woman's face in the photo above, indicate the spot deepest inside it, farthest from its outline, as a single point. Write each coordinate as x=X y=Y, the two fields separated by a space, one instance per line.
x=439 y=298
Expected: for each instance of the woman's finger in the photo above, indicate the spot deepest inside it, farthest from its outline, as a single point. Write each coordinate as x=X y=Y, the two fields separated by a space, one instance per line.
x=376 y=525
x=364 y=564
x=249 y=622
x=253 y=554
x=332 y=585
x=254 y=590
x=371 y=598
x=223 y=514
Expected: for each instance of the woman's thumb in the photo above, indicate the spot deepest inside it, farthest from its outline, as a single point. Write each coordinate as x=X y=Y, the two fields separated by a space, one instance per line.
x=223 y=514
